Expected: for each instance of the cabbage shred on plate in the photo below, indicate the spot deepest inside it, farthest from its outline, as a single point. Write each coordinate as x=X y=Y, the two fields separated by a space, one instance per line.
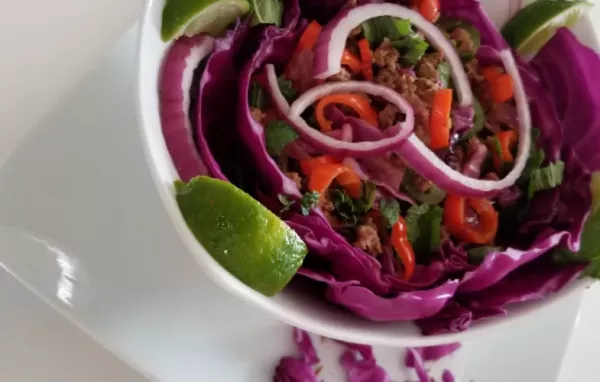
x=433 y=175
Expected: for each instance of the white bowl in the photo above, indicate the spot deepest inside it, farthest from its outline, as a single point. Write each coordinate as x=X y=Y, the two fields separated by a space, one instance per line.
x=293 y=306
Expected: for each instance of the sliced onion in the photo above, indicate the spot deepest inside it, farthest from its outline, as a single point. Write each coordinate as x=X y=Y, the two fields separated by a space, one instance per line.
x=281 y=104
x=175 y=82
x=330 y=145
x=425 y=162
x=332 y=41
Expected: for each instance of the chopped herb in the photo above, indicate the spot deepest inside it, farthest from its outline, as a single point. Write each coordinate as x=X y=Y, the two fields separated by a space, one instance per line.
x=535 y=160
x=278 y=134
x=445 y=74
x=257 y=96
x=476 y=255
x=390 y=210
x=287 y=89
x=497 y=147
x=378 y=28
x=546 y=178
x=351 y=210
x=287 y=203
x=424 y=224
x=411 y=50
x=309 y=201
x=266 y=12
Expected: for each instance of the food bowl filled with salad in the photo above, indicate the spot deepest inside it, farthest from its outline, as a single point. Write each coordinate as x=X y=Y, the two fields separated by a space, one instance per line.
x=392 y=172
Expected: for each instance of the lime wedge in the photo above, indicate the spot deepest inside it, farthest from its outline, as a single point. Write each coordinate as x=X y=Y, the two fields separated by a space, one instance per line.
x=192 y=17
x=241 y=234
x=535 y=24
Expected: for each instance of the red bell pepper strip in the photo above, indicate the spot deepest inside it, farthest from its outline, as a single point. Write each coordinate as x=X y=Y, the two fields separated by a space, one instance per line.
x=481 y=231
x=429 y=9
x=500 y=85
x=360 y=104
x=323 y=175
x=307 y=166
x=351 y=61
x=309 y=37
x=507 y=139
x=403 y=247
x=366 y=56
x=439 y=121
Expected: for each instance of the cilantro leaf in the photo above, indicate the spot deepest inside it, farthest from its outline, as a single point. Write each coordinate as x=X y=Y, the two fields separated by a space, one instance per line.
x=378 y=28
x=546 y=178
x=445 y=74
x=309 y=201
x=476 y=255
x=266 y=12
x=424 y=223
x=287 y=204
x=278 y=134
x=288 y=91
x=390 y=210
x=257 y=96
x=411 y=50
x=351 y=210
x=536 y=157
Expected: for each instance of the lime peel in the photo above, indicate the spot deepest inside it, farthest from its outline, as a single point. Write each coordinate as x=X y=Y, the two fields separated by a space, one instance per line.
x=242 y=235
x=192 y=17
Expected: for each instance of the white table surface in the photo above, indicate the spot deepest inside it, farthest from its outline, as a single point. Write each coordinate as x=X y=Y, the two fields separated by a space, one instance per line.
x=57 y=44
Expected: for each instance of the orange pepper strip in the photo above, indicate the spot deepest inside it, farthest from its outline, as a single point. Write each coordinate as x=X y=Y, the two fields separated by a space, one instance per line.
x=502 y=89
x=351 y=61
x=366 y=56
x=457 y=225
x=309 y=37
x=429 y=9
x=307 y=166
x=403 y=248
x=322 y=176
x=500 y=85
x=507 y=140
x=439 y=121
x=358 y=103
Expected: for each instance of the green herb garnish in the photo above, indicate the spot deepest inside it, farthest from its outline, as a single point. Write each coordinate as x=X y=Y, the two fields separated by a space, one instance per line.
x=390 y=210
x=309 y=201
x=278 y=134
x=546 y=178
x=287 y=89
x=257 y=96
x=424 y=223
x=266 y=11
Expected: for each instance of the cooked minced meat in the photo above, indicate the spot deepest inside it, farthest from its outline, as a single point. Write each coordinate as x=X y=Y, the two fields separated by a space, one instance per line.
x=367 y=238
x=386 y=56
x=342 y=75
x=296 y=178
x=388 y=116
x=428 y=67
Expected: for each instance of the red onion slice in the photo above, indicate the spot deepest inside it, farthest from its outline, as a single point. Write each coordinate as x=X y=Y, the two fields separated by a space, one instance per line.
x=332 y=41
x=330 y=145
x=433 y=168
x=183 y=57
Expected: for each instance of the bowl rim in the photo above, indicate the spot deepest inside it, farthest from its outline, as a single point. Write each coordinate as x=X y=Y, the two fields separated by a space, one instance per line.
x=232 y=285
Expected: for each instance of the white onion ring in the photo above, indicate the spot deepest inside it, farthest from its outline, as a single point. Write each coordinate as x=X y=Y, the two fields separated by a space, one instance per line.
x=352 y=149
x=332 y=41
x=326 y=143
x=429 y=165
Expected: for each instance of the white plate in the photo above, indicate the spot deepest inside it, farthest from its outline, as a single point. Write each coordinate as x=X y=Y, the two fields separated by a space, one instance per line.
x=79 y=183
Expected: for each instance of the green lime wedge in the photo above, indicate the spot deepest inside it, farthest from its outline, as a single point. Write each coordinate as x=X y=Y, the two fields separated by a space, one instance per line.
x=241 y=234
x=535 y=24
x=192 y=17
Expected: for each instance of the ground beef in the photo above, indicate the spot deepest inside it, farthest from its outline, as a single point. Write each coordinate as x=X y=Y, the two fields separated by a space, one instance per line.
x=426 y=89
x=386 y=56
x=477 y=81
x=342 y=75
x=328 y=208
x=367 y=238
x=464 y=42
x=491 y=176
x=421 y=183
x=355 y=32
x=296 y=178
x=428 y=66
x=388 y=116
x=257 y=115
